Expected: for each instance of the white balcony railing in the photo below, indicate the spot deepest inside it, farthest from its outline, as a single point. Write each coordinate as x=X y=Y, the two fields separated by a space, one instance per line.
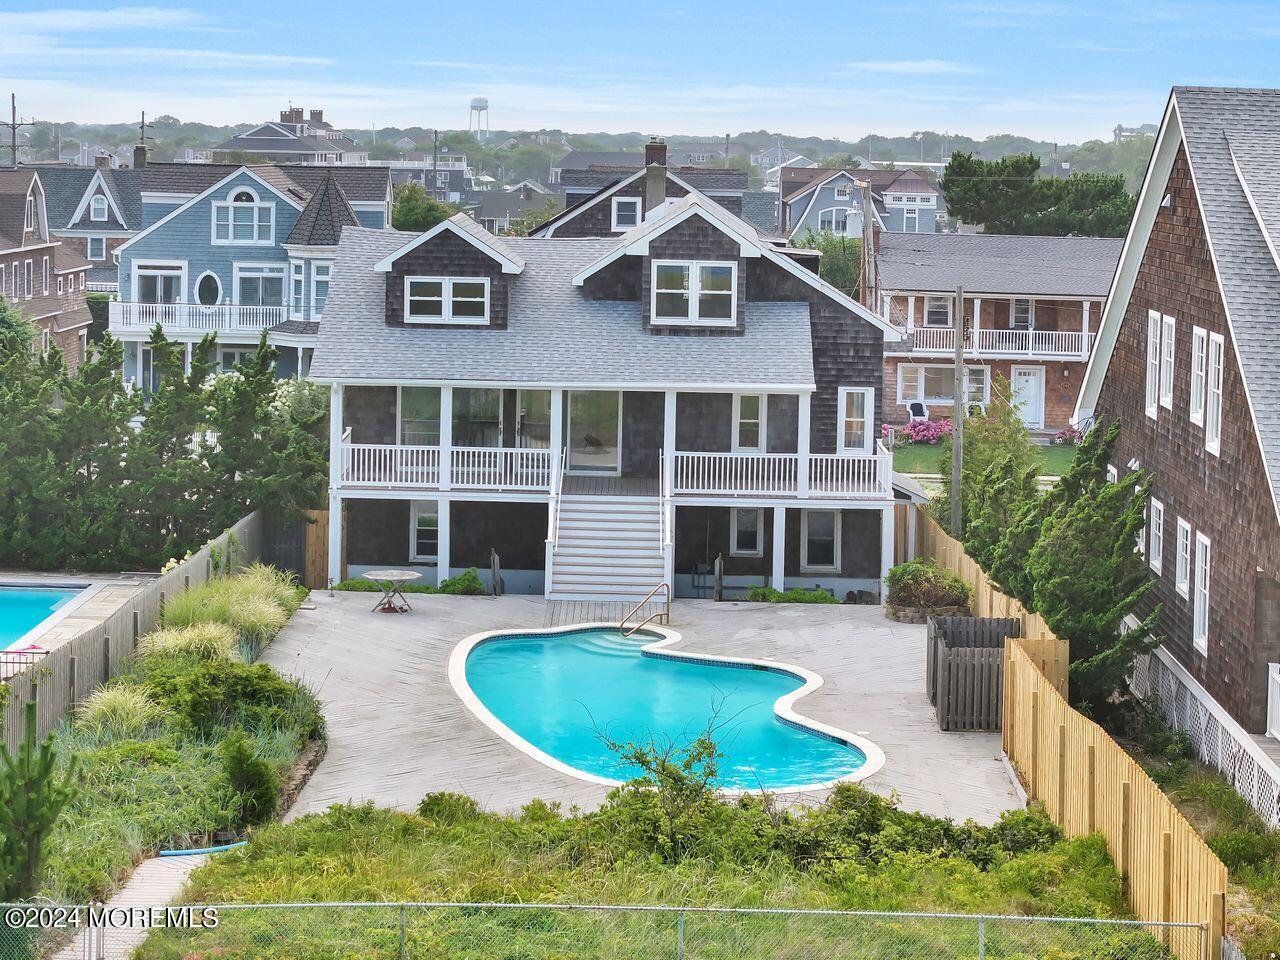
x=476 y=468
x=501 y=468
x=193 y=317
x=771 y=474
x=985 y=342
x=390 y=465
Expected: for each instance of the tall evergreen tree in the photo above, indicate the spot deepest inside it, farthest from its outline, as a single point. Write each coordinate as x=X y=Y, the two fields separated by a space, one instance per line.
x=239 y=453
x=1002 y=492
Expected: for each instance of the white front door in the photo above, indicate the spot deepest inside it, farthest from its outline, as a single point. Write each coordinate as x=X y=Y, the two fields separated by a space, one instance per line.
x=1028 y=395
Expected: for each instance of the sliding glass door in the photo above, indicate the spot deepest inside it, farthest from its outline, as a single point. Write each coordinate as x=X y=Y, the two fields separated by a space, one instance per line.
x=595 y=431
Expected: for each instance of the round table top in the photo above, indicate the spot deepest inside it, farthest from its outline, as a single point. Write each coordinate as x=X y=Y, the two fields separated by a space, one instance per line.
x=392 y=575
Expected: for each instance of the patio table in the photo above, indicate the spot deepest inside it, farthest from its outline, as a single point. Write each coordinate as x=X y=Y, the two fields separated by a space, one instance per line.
x=392 y=582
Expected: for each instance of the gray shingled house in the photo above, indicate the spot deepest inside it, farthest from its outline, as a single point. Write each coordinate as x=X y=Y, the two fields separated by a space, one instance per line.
x=605 y=412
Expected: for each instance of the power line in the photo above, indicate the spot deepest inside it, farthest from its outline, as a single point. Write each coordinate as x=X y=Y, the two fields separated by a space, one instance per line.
x=12 y=126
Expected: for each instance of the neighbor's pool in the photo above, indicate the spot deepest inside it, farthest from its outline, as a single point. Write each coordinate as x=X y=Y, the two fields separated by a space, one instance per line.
x=559 y=691
x=22 y=608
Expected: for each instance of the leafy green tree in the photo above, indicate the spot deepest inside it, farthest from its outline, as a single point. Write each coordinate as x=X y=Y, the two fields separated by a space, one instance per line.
x=385 y=150
x=534 y=217
x=1088 y=578
x=416 y=210
x=841 y=261
x=32 y=795
x=998 y=194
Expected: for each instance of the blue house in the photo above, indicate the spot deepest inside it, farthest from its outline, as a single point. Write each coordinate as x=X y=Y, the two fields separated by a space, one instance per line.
x=833 y=200
x=237 y=250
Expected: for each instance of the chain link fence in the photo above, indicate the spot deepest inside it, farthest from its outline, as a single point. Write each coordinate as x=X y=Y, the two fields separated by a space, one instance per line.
x=409 y=931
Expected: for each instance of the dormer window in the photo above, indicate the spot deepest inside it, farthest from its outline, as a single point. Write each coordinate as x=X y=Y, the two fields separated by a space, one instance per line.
x=243 y=218
x=98 y=208
x=29 y=220
x=842 y=191
x=626 y=213
x=460 y=300
x=695 y=292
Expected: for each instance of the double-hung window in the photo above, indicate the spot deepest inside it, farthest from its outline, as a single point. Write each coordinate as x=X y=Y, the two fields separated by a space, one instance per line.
x=319 y=287
x=424 y=532
x=746 y=532
x=626 y=213
x=695 y=292
x=1021 y=314
x=29 y=219
x=98 y=208
x=460 y=300
x=259 y=286
x=1182 y=560
x=937 y=311
x=297 y=287
x=1199 y=363
x=1153 y=363
x=44 y=276
x=97 y=248
x=857 y=407
x=1168 y=328
x=935 y=384
x=1213 y=395
x=820 y=544
x=749 y=422
x=1200 y=601
x=243 y=218
x=1155 y=529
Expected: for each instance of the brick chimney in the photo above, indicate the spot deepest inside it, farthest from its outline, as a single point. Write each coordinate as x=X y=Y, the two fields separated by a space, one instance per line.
x=292 y=115
x=139 y=156
x=102 y=161
x=655 y=173
x=317 y=116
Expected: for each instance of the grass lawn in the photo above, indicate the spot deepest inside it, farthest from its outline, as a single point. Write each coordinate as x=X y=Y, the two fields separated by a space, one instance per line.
x=924 y=457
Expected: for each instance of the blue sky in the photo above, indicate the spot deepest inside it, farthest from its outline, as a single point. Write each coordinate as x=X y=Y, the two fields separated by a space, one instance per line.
x=1057 y=70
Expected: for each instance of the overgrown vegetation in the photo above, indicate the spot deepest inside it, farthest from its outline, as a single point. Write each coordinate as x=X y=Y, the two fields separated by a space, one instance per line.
x=841 y=261
x=794 y=595
x=465 y=584
x=416 y=210
x=83 y=485
x=187 y=747
x=923 y=584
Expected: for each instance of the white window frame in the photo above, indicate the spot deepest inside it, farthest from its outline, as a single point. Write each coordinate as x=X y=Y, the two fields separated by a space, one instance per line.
x=29 y=279
x=805 y=565
x=44 y=275
x=695 y=293
x=1182 y=559
x=195 y=288
x=1153 y=363
x=1113 y=474
x=1213 y=394
x=931 y=301
x=29 y=215
x=1155 y=532
x=140 y=268
x=419 y=507
x=261 y=270
x=447 y=299
x=316 y=279
x=230 y=206
x=918 y=370
x=734 y=551
x=89 y=248
x=843 y=191
x=1031 y=312
x=1200 y=595
x=868 y=413
x=761 y=424
x=844 y=211
x=297 y=287
x=637 y=202
x=98 y=208
x=1168 y=331
x=1199 y=369
x=61 y=284
x=913 y=214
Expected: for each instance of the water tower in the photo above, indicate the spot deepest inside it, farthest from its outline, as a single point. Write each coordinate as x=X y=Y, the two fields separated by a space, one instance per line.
x=478 y=122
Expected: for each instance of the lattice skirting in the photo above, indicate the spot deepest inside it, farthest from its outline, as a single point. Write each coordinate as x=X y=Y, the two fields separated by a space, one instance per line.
x=1221 y=743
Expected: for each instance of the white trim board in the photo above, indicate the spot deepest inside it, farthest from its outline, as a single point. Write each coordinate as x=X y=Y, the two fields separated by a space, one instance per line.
x=509 y=265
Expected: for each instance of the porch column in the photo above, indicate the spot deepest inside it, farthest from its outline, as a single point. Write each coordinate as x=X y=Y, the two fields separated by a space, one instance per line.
x=337 y=456
x=779 y=547
x=1084 y=327
x=802 y=445
x=446 y=438
x=557 y=432
x=668 y=441
x=911 y=313
x=886 y=546
x=442 y=531
x=977 y=322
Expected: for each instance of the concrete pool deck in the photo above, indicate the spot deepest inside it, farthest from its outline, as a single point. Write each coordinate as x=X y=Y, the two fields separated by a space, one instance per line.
x=108 y=595
x=398 y=731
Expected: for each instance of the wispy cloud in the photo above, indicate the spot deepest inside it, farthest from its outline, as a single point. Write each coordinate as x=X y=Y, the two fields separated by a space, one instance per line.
x=915 y=67
x=117 y=18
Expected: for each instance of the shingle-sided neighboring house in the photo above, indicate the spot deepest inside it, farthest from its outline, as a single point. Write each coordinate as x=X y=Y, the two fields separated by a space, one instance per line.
x=295 y=139
x=1186 y=358
x=820 y=198
x=38 y=274
x=585 y=159
x=93 y=210
x=1032 y=307
x=605 y=413
x=234 y=250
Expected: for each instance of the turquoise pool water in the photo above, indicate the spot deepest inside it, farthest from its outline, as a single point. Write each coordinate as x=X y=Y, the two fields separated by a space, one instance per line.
x=21 y=608
x=556 y=691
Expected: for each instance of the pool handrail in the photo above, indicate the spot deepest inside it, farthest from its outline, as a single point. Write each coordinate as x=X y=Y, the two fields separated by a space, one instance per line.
x=664 y=613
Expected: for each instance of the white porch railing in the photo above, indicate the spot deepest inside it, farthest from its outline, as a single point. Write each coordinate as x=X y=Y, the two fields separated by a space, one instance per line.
x=986 y=342
x=1273 y=700
x=193 y=317
x=390 y=465
x=501 y=468
x=775 y=474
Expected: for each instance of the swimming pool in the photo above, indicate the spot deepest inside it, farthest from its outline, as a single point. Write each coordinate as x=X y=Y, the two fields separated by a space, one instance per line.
x=553 y=693
x=23 y=608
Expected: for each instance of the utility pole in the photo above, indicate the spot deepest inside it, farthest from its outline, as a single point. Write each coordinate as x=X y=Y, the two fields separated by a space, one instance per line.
x=435 y=150
x=957 y=421
x=726 y=151
x=13 y=125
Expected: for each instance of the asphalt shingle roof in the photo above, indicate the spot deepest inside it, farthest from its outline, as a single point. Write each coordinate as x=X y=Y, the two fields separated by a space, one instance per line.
x=581 y=159
x=358 y=183
x=760 y=209
x=14 y=185
x=998 y=264
x=554 y=334
x=65 y=187
x=1224 y=129
x=324 y=216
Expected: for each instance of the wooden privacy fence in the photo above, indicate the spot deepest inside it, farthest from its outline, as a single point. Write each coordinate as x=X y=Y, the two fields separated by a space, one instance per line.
x=964 y=670
x=1089 y=784
x=60 y=679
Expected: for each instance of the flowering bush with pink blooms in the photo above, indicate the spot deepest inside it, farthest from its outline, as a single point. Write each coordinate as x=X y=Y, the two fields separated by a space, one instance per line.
x=1068 y=437
x=931 y=432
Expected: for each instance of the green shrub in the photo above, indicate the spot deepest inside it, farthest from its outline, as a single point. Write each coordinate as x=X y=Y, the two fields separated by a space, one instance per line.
x=448 y=808
x=251 y=777
x=118 y=711
x=467 y=583
x=795 y=595
x=921 y=583
x=204 y=641
x=245 y=605
x=1240 y=848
